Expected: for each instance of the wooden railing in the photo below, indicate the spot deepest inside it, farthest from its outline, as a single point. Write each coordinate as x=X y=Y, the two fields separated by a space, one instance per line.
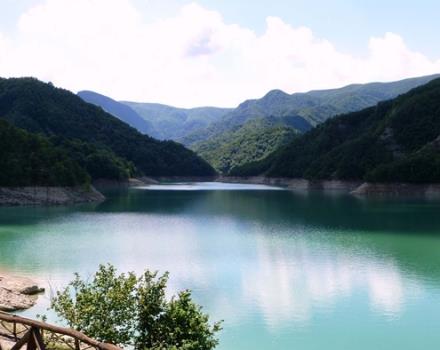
x=36 y=335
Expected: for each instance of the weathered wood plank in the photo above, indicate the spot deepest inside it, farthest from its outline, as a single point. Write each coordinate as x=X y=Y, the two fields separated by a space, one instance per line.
x=39 y=342
x=34 y=339
x=21 y=342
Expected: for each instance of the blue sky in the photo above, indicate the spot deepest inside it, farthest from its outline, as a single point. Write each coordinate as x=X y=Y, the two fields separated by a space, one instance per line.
x=226 y=73
x=347 y=23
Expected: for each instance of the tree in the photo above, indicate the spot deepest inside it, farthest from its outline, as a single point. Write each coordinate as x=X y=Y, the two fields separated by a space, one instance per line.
x=171 y=324
x=133 y=311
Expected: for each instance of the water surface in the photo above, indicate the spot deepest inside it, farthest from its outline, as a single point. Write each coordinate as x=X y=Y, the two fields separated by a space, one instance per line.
x=284 y=270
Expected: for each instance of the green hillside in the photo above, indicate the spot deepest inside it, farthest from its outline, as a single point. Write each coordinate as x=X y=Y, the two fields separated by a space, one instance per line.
x=99 y=162
x=27 y=159
x=309 y=109
x=253 y=141
x=314 y=106
x=395 y=141
x=41 y=108
x=172 y=123
x=119 y=110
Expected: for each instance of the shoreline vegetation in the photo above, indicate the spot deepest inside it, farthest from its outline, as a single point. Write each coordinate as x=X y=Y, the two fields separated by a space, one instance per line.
x=51 y=137
x=391 y=149
x=143 y=317
x=143 y=314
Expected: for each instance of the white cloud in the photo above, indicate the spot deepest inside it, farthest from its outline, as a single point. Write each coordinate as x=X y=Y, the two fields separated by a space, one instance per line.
x=193 y=58
x=291 y=284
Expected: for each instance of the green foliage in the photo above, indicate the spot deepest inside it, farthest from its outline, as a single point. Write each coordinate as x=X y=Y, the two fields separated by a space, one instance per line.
x=314 y=106
x=420 y=167
x=239 y=137
x=253 y=141
x=38 y=107
x=133 y=311
x=255 y=168
x=415 y=119
x=119 y=110
x=171 y=123
x=396 y=141
x=99 y=162
x=177 y=323
x=32 y=160
x=102 y=308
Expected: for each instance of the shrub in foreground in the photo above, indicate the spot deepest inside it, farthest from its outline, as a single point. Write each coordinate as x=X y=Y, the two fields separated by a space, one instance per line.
x=133 y=311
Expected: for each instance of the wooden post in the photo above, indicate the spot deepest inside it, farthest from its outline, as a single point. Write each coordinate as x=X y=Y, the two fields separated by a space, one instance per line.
x=31 y=344
x=32 y=339
x=38 y=339
x=77 y=345
x=18 y=345
x=33 y=334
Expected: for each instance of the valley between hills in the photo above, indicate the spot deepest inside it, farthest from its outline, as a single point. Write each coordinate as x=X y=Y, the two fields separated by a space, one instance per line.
x=378 y=133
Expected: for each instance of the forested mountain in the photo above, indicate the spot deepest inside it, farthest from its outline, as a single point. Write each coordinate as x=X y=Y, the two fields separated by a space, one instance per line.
x=119 y=110
x=395 y=141
x=27 y=159
x=253 y=141
x=309 y=109
x=229 y=138
x=171 y=123
x=317 y=106
x=87 y=132
x=242 y=141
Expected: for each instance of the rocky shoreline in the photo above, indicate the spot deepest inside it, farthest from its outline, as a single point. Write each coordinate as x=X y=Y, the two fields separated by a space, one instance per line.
x=17 y=293
x=21 y=196
x=357 y=188
x=398 y=189
x=132 y=182
x=185 y=178
x=48 y=195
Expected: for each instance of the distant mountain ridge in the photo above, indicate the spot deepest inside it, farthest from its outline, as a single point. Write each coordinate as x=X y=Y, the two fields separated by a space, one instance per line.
x=228 y=138
x=395 y=141
x=96 y=140
x=176 y=123
x=315 y=106
x=307 y=109
x=119 y=110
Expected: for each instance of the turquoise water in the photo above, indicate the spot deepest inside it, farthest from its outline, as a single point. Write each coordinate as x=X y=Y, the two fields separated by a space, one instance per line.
x=283 y=270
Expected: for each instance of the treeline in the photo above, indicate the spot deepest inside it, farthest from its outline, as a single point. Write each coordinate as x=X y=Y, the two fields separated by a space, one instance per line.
x=99 y=162
x=32 y=160
x=251 y=142
x=97 y=142
x=396 y=141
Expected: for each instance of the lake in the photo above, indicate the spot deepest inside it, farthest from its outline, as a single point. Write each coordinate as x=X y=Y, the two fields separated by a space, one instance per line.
x=283 y=270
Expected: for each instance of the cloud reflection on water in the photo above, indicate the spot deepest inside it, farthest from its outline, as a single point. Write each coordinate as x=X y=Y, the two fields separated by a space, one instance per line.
x=294 y=283
x=264 y=260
